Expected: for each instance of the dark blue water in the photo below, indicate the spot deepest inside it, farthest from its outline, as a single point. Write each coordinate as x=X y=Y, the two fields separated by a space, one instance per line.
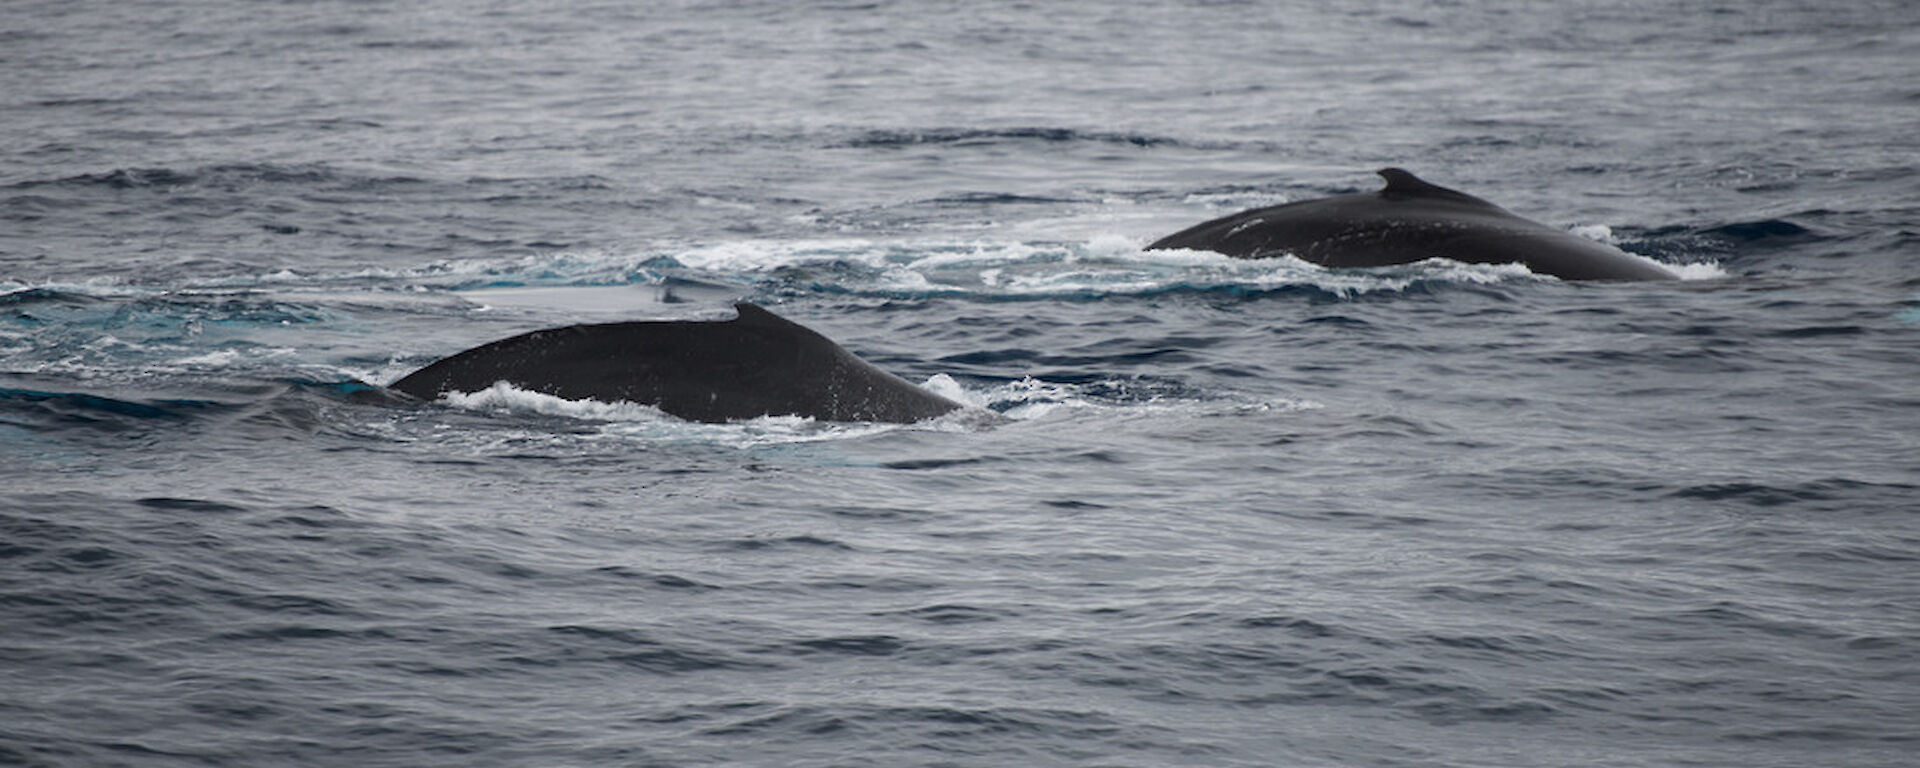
x=1239 y=513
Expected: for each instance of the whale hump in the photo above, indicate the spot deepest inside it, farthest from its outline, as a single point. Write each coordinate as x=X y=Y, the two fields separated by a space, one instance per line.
x=1408 y=221
x=756 y=364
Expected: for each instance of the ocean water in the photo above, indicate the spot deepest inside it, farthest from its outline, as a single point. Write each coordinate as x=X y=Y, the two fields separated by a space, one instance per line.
x=1233 y=513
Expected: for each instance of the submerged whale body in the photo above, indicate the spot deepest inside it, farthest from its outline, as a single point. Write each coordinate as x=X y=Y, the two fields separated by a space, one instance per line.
x=757 y=364
x=1408 y=221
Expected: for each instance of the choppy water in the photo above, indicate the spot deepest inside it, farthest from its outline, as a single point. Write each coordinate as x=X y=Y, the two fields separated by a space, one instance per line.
x=1241 y=513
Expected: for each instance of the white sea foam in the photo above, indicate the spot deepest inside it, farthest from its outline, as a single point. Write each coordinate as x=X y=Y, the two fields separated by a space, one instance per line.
x=1031 y=399
x=1595 y=232
x=228 y=358
x=1709 y=270
x=1463 y=272
x=1604 y=234
x=1112 y=246
x=945 y=386
x=762 y=256
x=506 y=397
x=647 y=423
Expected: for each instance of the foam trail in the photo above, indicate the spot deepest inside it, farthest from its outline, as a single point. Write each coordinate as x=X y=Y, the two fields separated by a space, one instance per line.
x=506 y=397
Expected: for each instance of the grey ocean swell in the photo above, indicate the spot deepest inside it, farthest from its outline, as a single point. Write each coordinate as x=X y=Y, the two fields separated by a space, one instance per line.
x=1241 y=517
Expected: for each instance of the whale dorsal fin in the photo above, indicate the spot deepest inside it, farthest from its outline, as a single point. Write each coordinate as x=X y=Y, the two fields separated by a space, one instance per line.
x=756 y=317
x=1403 y=185
x=753 y=314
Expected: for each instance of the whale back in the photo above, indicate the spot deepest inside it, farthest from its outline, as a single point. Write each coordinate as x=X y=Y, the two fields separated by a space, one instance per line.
x=1409 y=220
x=757 y=364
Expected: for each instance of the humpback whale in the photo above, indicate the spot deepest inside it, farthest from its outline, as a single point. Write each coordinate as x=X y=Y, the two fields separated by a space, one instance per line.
x=1408 y=221
x=757 y=364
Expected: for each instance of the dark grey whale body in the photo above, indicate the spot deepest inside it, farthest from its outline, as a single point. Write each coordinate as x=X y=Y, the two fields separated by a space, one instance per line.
x=1408 y=221
x=758 y=364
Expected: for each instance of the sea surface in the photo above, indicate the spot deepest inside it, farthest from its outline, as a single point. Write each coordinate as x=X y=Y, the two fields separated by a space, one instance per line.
x=1229 y=513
